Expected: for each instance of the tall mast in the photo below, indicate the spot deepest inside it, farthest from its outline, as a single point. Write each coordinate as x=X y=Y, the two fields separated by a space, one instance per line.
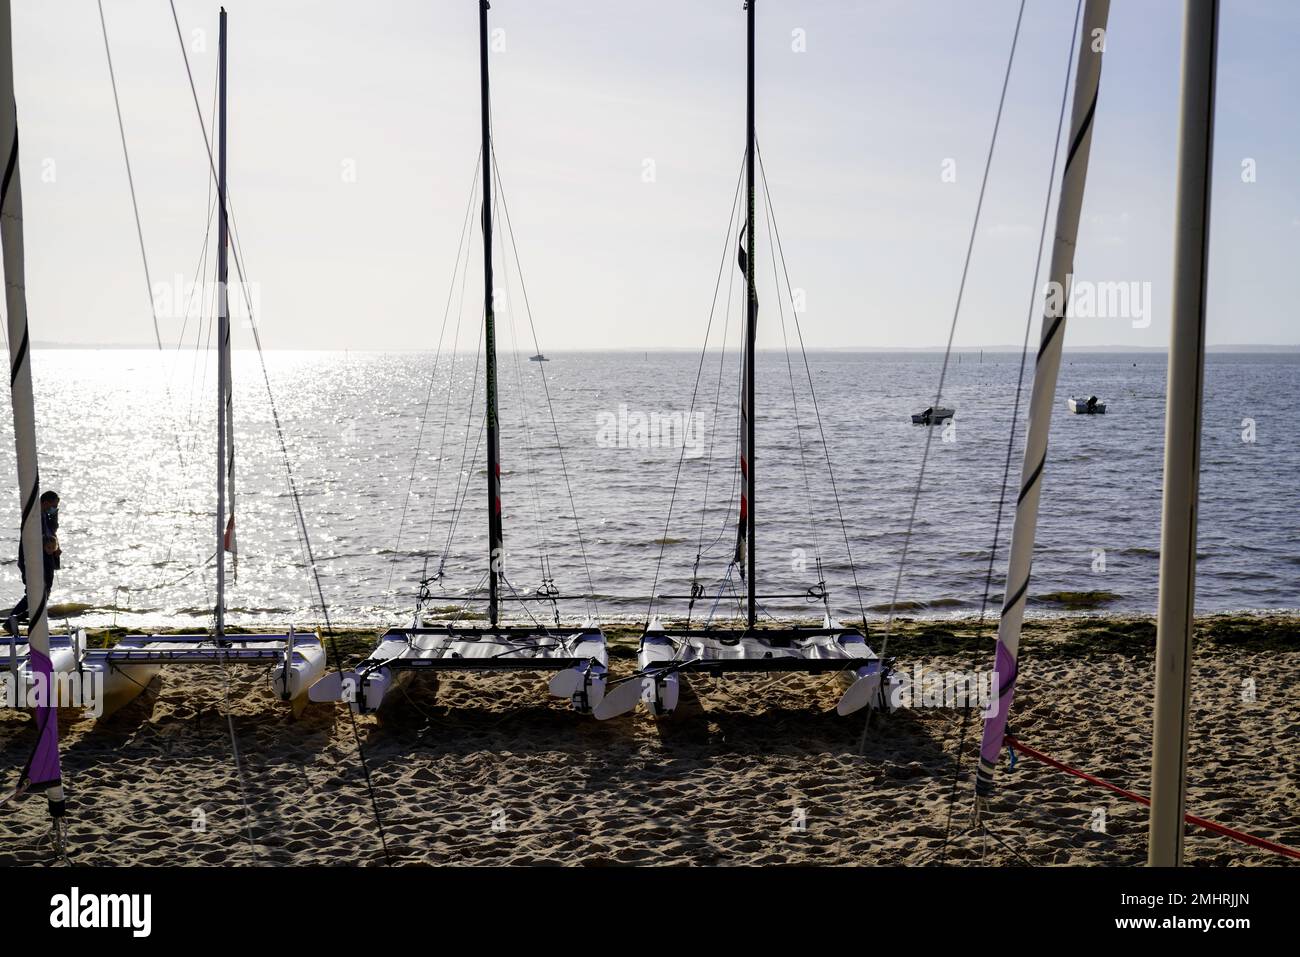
x=1183 y=437
x=496 y=543
x=42 y=771
x=1087 y=79
x=751 y=315
x=223 y=332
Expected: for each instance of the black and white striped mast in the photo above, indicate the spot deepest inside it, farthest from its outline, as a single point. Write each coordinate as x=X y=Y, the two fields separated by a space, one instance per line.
x=223 y=334
x=496 y=544
x=42 y=772
x=1183 y=436
x=1092 y=44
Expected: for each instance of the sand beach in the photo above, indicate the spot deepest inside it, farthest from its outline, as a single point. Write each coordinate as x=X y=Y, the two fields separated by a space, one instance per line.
x=749 y=771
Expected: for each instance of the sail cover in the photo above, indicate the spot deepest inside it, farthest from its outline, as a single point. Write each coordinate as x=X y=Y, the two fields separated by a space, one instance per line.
x=742 y=544
x=42 y=770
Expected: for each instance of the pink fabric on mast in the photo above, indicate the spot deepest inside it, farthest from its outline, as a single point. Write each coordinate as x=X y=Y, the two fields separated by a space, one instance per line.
x=995 y=726
x=45 y=768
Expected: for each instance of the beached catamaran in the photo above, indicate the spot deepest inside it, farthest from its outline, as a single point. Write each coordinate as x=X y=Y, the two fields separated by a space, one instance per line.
x=577 y=654
x=295 y=660
x=669 y=653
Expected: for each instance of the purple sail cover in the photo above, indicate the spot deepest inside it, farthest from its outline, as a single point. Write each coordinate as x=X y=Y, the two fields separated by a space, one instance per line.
x=995 y=725
x=45 y=760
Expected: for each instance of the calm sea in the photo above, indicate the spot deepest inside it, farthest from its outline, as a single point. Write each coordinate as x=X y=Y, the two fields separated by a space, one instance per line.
x=392 y=489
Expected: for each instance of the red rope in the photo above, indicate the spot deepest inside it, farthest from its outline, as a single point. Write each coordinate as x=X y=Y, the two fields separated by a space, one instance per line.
x=1132 y=796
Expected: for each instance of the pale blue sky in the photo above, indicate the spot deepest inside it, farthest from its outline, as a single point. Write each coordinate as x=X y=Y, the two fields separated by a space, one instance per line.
x=854 y=130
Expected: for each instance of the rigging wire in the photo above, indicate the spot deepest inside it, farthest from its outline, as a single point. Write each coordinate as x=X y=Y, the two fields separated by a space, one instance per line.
x=284 y=451
x=446 y=418
x=530 y=471
x=700 y=550
x=591 y=600
x=465 y=473
x=726 y=249
x=812 y=391
x=144 y=256
x=130 y=179
x=794 y=395
x=433 y=375
x=1015 y=413
x=234 y=741
x=947 y=354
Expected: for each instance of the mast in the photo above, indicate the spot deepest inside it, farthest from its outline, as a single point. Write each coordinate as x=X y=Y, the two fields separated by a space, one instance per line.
x=223 y=334
x=1183 y=437
x=751 y=317
x=42 y=772
x=1087 y=78
x=496 y=544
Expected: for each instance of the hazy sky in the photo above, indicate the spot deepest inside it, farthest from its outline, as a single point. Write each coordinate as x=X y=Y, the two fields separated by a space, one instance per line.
x=855 y=129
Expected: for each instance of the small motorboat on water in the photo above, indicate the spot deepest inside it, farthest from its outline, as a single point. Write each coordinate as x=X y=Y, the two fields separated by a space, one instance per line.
x=538 y=358
x=1089 y=406
x=933 y=416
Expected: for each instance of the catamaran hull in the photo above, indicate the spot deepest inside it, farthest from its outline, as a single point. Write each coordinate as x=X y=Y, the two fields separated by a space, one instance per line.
x=133 y=663
x=666 y=658
x=112 y=688
x=659 y=694
x=577 y=655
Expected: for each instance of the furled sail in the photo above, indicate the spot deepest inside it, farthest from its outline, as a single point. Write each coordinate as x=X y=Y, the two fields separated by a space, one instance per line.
x=1043 y=392
x=742 y=543
x=42 y=771
x=228 y=540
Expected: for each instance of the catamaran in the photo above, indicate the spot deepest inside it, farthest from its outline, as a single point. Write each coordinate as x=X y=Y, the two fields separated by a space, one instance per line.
x=295 y=659
x=577 y=654
x=668 y=654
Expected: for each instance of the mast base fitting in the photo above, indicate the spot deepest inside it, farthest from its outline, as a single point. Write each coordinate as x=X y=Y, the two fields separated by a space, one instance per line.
x=58 y=803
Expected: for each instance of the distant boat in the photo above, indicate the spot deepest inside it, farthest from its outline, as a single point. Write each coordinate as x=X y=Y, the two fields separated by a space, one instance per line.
x=1088 y=406
x=933 y=416
x=538 y=358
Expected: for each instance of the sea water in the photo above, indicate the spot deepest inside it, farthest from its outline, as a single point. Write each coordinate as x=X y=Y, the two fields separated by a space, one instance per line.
x=388 y=459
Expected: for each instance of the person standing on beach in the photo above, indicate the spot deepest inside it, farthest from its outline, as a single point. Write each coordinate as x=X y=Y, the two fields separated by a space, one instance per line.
x=52 y=556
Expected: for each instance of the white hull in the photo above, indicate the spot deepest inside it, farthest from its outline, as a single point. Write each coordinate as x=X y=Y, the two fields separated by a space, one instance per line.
x=666 y=659
x=128 y=668
x=1080 y=407
x=578 y=656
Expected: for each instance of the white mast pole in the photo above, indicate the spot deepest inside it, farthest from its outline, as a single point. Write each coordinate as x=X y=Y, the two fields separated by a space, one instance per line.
x=223 y=334
x=42 y=771
x=1183 y=437
x=1092 y=44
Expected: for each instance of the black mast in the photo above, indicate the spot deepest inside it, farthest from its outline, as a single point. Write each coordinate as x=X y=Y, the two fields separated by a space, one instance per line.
x=223 y=332
x=751 y=323
x=495 y=541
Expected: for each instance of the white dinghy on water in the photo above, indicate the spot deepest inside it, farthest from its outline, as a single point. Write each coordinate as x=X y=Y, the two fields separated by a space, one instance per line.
x=1089 y=406
x=577 y=654
x=669 y=654
x=295 y=659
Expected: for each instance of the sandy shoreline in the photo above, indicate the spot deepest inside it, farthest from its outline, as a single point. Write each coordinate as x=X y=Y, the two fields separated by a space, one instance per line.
x=493 y=771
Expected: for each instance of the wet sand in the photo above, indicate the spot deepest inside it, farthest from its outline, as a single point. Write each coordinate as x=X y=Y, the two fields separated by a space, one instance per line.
x=488 y=770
